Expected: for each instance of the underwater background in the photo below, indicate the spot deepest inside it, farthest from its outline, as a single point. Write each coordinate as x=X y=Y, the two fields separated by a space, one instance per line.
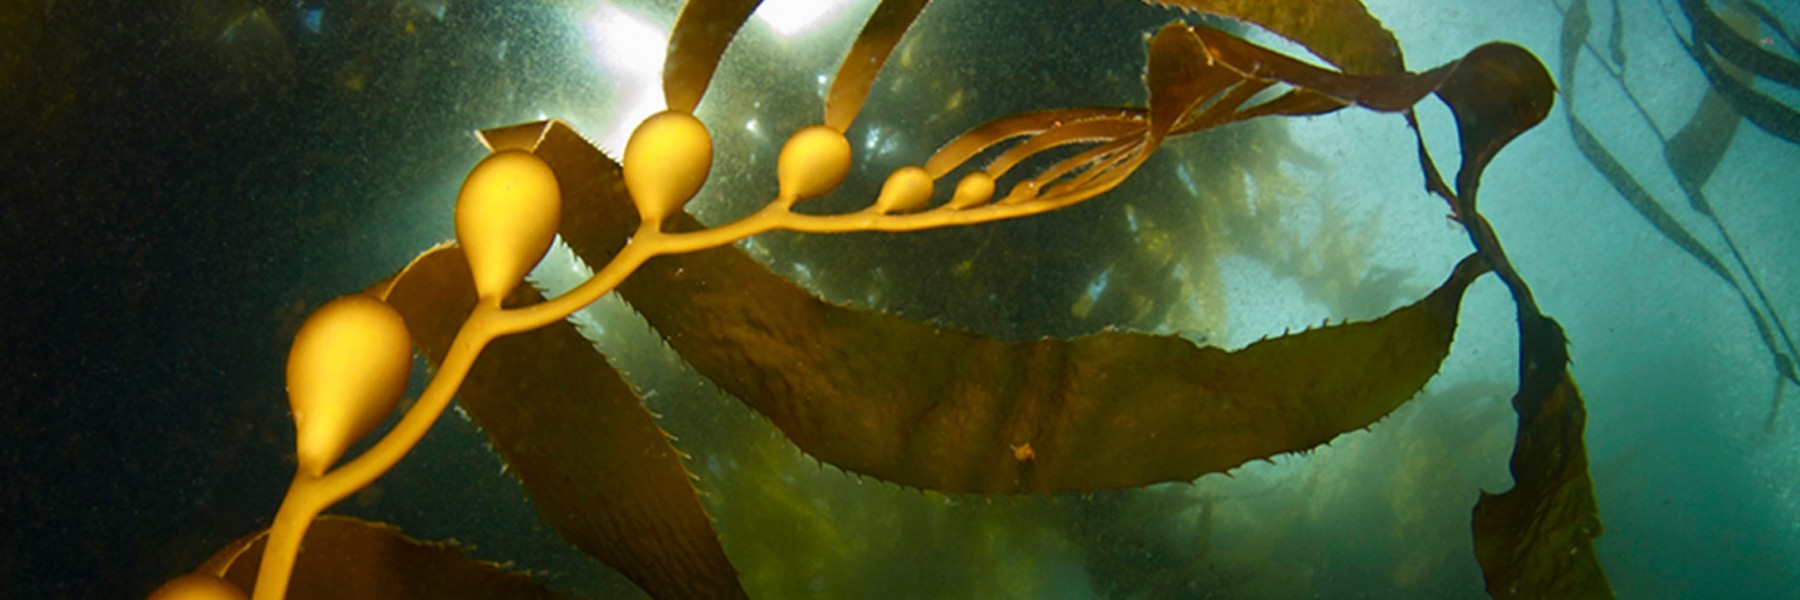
x=186 y=181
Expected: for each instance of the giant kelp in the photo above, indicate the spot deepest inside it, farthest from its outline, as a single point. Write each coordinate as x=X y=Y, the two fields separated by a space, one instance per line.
x=942 y=409
x=947 y=410
x=1721 y=47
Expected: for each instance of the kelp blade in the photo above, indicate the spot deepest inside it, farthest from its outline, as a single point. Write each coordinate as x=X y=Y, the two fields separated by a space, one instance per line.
x=600 y=471
x=1692 y=155
x=1615 y=36
x=1642 y=201
x=351 y=559
x=1199 y=77
x=1695 y=151
x=696 y=44
x=1536 y=540
x=1711 y=34
x=879 y=35
x=1497 y=92
x=1766 y=112
x=948 y=410
x=1739 y=44
x=1179 y=77
x=1340 y=31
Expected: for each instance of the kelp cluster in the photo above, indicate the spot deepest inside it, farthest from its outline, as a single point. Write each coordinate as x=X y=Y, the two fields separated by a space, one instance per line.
x=933 y=407
x=1734 y=55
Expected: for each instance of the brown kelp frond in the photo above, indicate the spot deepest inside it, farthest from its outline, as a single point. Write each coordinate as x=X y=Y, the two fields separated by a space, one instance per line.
x=600 y=471
x=1716 y=47
x=696 y=44
x=1694 y=152
x=351 y=559
x=879 y=35
x=1731 y=74
x=1340 y=31
x=947 y=410
x=1535 y=540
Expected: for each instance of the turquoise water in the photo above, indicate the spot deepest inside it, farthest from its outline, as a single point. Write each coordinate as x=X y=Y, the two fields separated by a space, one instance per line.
x=196 y=177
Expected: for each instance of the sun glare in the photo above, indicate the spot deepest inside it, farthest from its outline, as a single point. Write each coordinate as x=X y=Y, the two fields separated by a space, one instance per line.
x=790 y=18
x=629 y=48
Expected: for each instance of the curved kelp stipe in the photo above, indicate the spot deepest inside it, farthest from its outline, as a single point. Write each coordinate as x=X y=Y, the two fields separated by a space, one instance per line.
x=562 y=418
x=1536 y=539
x=1766 y=112
x=351 y=559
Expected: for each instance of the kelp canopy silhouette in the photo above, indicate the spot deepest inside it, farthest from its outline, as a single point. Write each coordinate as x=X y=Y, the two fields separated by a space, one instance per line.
x=1727 y=51
x=952 y=411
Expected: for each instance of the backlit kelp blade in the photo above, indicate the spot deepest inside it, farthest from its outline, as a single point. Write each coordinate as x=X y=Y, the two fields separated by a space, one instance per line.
x=1536 y=539
x=948 y=410
x=600 y=471
x=879 y=35
x=351 y=559
x=1340 y=31
x=696 y=44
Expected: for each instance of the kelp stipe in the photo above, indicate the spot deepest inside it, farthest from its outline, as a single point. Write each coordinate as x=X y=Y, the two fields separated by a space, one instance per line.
x=915 y=404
